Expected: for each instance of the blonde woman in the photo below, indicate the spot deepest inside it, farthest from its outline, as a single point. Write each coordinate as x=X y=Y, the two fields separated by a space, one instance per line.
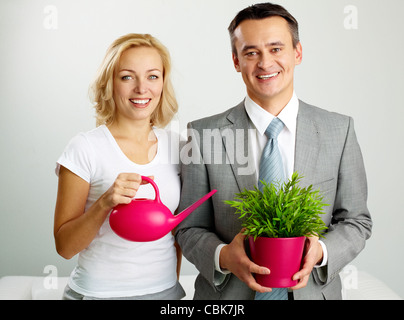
x=102 y=168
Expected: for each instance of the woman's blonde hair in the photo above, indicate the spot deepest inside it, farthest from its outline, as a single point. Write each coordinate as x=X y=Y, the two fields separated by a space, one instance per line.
x=102 y=87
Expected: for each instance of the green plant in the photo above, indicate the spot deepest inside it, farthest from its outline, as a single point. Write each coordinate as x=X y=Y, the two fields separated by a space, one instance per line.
x=280 y=210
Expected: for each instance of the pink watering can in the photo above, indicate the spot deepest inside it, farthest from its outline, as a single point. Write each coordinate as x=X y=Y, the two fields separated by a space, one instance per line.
x=146 y=219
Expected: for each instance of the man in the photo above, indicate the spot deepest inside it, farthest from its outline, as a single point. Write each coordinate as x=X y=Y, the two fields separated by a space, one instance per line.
x=321 y=146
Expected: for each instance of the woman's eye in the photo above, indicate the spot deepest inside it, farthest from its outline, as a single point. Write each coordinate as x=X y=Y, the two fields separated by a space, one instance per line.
x=126 y=78
x=153 y=77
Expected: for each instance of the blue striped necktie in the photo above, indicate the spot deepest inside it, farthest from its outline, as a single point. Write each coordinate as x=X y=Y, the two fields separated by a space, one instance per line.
x=271 y=170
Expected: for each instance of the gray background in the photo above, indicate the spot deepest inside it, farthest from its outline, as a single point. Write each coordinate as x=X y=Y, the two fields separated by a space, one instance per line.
x=47 y=65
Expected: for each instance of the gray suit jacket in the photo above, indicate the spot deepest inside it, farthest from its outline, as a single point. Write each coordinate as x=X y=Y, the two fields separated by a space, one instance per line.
x=327 y=155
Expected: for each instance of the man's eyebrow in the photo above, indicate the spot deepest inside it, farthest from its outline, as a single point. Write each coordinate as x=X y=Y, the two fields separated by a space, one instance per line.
x=246 y=48
x=275 y=44
x=270 y=44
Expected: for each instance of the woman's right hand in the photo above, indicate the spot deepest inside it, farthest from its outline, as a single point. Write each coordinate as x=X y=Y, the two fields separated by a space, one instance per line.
x=122 y=190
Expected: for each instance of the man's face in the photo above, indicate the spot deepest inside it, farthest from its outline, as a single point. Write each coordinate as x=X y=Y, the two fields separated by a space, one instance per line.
x=266 y=59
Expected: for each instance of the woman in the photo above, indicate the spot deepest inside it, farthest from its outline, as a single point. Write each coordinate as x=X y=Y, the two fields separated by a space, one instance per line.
x=102 y=168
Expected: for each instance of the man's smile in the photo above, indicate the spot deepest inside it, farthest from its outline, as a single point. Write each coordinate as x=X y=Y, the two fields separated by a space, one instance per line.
x=267 y=76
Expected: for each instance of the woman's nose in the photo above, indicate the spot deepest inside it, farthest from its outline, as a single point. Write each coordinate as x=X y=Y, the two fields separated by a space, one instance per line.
x=140 y=86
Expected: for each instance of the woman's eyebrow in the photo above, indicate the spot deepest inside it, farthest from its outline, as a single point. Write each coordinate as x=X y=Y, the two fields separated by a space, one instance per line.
x=132 y=71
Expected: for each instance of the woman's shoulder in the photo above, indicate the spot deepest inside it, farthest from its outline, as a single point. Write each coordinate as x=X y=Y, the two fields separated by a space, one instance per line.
x=90 y=136
x=79 y=155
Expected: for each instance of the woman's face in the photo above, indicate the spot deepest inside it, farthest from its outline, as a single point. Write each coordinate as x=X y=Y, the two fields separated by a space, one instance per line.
x=138 y=84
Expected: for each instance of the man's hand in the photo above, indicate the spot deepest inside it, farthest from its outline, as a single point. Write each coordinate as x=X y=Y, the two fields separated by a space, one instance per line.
x=313 y=254
x=234 y=259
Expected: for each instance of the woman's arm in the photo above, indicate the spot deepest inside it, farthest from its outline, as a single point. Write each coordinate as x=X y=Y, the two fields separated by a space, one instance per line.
x=74 y=229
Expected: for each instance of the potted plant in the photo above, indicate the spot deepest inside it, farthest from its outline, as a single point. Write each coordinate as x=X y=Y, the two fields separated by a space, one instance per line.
x=277 y=221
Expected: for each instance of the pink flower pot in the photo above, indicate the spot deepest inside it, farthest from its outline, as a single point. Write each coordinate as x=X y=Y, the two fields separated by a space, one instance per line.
x=280 y=255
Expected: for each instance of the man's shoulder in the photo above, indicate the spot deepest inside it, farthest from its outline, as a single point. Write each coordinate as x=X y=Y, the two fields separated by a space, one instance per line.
x=221 y=119
x=321 y=115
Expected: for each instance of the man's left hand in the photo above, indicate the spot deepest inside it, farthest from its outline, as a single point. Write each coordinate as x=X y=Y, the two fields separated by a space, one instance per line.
x=313 y=254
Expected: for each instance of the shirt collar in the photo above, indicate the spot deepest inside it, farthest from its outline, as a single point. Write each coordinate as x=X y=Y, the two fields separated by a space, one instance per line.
x=262 y=118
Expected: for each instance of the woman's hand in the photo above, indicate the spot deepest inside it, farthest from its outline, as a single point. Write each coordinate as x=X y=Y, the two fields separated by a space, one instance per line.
x=122 y=190
x=74 y=230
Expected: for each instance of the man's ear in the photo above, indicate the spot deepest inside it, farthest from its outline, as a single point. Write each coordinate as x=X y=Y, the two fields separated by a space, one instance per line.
x=298 y=54
x=236 y=62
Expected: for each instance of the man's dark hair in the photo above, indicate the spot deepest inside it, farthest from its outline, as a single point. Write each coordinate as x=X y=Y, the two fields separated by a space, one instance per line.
x=262 y=11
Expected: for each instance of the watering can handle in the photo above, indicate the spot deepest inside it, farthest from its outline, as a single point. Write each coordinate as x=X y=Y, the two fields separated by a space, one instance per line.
x=156 y=189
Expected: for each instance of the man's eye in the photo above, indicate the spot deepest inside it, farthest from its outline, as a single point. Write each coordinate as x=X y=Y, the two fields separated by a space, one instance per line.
x=275 y=50
x=251 y=54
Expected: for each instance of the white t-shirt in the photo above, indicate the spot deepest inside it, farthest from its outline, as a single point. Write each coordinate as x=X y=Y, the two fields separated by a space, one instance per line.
x=111 y=266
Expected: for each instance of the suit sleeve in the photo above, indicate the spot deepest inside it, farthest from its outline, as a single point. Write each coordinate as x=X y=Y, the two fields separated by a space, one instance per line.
x=351 y=223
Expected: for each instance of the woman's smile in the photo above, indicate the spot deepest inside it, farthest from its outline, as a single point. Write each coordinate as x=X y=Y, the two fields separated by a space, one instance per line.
x=140 y=103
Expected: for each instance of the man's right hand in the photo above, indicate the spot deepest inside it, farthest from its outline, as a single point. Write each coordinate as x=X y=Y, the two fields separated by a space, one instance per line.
x=234 y=259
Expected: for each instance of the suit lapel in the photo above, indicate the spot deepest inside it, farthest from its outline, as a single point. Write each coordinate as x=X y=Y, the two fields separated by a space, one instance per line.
x=235 y=138
x=307 y=142
x=235 y=143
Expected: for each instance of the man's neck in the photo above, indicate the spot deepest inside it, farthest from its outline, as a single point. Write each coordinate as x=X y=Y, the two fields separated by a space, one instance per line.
x=274 y=106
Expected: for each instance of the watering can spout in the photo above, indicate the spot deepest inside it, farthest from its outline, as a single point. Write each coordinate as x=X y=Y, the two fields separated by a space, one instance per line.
x=177 y=219
x=148 y=220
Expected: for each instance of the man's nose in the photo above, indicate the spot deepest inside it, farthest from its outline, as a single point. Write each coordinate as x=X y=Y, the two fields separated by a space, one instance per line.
x=265 y=62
